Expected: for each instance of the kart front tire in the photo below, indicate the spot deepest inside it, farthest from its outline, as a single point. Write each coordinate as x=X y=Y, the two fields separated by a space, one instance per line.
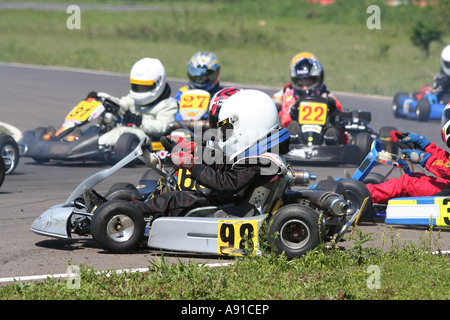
x=295 y=229
x=117 y=227
x=396 y=106
x=123 y=191
x=355 y=192
x=364 y=141
x=126 y=143
x=9 y=149
x=423 y=109
x=2 y=172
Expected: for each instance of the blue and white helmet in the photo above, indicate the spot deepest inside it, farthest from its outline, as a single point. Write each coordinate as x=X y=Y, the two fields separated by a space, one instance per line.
x=203 y=71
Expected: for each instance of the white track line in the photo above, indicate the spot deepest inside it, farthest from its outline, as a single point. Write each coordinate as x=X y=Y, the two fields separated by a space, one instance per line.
x=67 y=275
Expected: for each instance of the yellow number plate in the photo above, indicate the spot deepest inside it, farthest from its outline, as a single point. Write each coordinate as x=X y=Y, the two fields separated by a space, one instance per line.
x=237 y=237
x=83 y=110
x=194 y=104
x=312 y=113
x=444 y=210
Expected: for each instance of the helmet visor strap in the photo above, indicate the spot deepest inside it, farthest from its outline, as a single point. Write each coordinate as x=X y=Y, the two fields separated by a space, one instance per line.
x=225 y=129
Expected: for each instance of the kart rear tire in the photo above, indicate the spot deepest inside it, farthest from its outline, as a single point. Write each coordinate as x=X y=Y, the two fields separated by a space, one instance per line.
x=396 y=103
x=373 y=178
x=364 y=141
x=126 y=143
x=355 y=193
x=295 y=229
x=423 y=109
x=117 y=226
x=10 y=148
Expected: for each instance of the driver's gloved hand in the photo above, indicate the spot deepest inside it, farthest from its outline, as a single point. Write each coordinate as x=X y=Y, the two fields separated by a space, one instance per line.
x=184 y=145
x=131 y=118
x=416 y=156
x=183 y=160
x=420 y=141
x=92 y=94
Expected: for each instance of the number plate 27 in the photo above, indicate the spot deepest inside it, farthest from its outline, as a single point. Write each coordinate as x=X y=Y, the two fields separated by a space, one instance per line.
x=237 y=237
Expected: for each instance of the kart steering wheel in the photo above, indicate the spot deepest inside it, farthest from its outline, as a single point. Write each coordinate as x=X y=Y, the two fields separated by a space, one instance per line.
x=397 y=137
x=167 y=144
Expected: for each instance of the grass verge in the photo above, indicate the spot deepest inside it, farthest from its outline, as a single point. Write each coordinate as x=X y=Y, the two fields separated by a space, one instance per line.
x=403 y=271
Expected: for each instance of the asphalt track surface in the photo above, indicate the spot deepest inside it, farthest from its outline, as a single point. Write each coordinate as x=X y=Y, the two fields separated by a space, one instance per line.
x=32 y=96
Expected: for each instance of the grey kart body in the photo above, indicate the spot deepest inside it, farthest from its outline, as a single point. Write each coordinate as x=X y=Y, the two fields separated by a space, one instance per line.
x=189 y=233
x=200 y=229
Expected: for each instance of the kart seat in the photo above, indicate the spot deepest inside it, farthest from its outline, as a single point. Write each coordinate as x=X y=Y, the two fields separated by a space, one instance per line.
x=262 y=199
x=224 y=211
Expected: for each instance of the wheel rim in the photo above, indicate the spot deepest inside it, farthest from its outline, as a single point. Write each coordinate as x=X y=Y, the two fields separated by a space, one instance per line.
x=8 y=153
x=120 y=228
x=294 y=234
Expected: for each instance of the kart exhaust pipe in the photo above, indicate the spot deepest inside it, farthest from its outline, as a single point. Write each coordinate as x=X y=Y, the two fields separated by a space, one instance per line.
x=303 y=177
x=327 y=200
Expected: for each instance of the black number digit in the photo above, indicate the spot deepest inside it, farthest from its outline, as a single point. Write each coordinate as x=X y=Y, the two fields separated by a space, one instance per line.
x=227 y=234
x=246 y=233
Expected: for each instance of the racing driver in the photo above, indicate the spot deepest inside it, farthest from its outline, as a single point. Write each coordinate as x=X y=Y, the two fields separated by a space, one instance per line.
x=244 y=162
x=307 y=79
x=148 y=110
x=429 y=156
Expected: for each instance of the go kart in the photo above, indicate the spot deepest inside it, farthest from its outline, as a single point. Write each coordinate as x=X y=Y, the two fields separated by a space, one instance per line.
x=421 y=106
x=322 y=134
x=431 y=210
x=77 y=138
x=296 y=220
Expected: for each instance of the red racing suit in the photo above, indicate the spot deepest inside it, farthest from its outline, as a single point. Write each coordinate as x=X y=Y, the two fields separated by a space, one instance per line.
x=420 y=184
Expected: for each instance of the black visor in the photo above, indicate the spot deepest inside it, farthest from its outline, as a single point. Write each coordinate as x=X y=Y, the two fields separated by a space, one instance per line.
x=202 y=76
x=142 y=87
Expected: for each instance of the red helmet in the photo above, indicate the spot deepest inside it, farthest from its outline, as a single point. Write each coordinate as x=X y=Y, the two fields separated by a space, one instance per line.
x=217 y=102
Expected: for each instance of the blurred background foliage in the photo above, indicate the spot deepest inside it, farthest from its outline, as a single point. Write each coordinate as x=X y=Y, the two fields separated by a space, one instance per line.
x=253 y=39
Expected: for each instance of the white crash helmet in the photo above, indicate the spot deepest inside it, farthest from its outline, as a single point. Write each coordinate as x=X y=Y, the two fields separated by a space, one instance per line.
x=148 y=80
x=245 y=119
x=445 y=60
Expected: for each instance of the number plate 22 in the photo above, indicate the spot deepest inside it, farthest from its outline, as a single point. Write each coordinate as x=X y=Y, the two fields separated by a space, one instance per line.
x=312 y=113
